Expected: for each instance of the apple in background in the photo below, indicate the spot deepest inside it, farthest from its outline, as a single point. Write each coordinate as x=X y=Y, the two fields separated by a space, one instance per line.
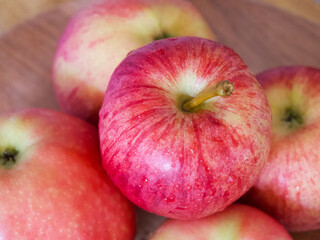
x=168 y=150
x=237 y=221
x=102 y=34
x=288 y=187
x=52 y=185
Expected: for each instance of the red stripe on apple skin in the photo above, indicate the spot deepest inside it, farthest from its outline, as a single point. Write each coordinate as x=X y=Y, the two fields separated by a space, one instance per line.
x=136 y=88
x=81 y=22
x=286 y=74
x=120 y=8
x=131 y=8
x=178 y=164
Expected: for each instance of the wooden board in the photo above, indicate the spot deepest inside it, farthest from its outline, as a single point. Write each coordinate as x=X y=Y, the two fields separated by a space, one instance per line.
x=264 y=36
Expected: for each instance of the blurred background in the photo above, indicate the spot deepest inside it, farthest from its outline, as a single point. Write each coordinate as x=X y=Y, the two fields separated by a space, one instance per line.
x=266 y=33
x=13 y=12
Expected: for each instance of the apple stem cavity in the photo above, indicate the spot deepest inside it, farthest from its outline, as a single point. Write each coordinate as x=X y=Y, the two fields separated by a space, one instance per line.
x=162 y=35
x=8 y=157
x=292 y=118
x=223 y=89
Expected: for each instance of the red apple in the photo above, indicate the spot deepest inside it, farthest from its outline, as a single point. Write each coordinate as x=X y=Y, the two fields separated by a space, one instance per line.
x=172 y=157
x=102 y=34
x=52 y=185
x=237 y=221
x=288 y=187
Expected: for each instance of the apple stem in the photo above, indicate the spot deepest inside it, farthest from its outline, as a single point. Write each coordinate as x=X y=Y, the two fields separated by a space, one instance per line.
x=223 y=89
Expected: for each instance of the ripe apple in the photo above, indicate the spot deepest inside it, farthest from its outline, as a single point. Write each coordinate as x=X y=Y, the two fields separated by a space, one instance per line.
x=102 y=34
x=170 y=149
x=237 y=221
x=52 y=184
x=288 y=187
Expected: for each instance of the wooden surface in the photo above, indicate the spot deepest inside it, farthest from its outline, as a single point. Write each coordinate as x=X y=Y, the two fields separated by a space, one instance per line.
x=307 y=9
x=13 y=12
x=265 y=36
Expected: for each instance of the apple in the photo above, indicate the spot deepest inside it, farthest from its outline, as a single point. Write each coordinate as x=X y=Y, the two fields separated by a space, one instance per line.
x=237 y=221
x=288 y=187
x=102 y=34
x=52 y=184
x=184 y=127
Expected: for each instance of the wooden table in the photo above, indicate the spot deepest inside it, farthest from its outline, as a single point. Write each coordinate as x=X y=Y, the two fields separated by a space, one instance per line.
x=266 y=33
x=13 y=12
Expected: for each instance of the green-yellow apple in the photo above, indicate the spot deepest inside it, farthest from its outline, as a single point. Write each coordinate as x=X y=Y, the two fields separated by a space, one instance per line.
x=102 y=34
x=288 y=187
x=184 y=127
x=52 y=184
x=237 y=221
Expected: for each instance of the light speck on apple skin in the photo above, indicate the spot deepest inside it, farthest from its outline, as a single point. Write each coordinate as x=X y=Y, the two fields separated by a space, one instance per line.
x=187 y=158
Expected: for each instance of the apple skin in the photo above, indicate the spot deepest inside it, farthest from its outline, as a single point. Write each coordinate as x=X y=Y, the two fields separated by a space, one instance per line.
x=288 y=187
x=57 y=189
x=102 y=34
x=237 y=221
x=180 y=164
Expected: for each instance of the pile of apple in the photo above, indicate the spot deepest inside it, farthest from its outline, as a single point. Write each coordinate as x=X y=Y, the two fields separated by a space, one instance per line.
x=185 y=130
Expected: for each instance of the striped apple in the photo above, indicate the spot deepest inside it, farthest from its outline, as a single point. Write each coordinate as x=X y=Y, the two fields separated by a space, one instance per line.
x=184 y=127
x=288 y=187
x=102 y=34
